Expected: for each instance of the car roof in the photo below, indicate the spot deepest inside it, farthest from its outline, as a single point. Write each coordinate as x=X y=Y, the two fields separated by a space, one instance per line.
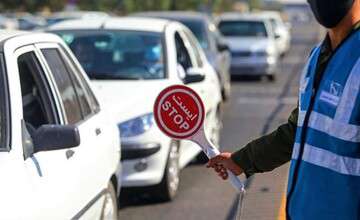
x=62 y=14
x=269 y=14
x=242 y=16
x=23 y=38
x=6 y=34
x=176 y=15
x=121 y=23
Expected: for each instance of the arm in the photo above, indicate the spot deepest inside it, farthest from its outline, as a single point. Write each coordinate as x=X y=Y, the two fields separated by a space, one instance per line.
x=261 y=155
x=270 y=151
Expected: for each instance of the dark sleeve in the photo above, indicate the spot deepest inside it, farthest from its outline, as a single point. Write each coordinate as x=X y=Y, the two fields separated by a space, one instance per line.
x=270 y=151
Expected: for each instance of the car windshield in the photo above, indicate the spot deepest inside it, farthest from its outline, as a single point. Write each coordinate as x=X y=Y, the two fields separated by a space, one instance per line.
x=243 y=28
x=118 y=54
x=198 y=29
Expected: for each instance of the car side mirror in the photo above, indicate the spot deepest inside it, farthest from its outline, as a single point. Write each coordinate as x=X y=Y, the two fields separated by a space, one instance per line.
x=55 y=137
x=194 y=75
x=221 y=46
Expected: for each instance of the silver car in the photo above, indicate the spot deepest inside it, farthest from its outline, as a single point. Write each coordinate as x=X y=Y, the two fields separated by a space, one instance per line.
x=252 y=44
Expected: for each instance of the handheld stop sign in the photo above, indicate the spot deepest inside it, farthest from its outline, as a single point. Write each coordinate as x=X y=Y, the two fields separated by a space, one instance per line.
x=180 y=113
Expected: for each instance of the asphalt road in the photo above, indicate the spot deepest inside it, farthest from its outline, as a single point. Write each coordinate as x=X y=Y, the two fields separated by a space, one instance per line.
x=255 y=107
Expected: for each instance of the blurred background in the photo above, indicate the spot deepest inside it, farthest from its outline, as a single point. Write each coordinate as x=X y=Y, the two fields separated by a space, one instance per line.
x=34 y=13
x=252 y=105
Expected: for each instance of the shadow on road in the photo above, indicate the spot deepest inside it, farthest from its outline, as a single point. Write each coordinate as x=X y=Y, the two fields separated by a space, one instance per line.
x=137 y=197
x=245 y=78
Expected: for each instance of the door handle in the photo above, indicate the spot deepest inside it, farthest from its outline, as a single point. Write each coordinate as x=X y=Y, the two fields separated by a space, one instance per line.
x=97 y=131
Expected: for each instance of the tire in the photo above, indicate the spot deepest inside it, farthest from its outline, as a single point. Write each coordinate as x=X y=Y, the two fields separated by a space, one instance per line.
x=201 y=158
x=225 y=93
x=168 y=187
x=110 y=208
x=271 y=77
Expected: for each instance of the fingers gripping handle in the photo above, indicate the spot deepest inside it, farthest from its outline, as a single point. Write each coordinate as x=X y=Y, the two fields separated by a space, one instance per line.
x=211 y=151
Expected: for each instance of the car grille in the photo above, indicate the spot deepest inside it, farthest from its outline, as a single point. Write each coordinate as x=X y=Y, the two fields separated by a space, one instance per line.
x=241 y=54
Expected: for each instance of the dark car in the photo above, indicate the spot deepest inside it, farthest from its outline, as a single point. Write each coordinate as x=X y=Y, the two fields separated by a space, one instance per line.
x=206 y=32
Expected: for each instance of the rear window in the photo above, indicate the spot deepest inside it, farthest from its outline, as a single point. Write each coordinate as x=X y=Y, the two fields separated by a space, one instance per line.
x=243 y=28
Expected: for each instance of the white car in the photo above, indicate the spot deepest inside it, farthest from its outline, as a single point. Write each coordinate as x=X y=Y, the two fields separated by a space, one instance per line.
x=70 y=15
x=280 y=28
x=130 y=60
x=252 y=44
x=59 y=151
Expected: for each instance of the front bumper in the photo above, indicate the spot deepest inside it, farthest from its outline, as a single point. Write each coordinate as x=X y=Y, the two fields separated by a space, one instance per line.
x=144 y=159
x=254 y=65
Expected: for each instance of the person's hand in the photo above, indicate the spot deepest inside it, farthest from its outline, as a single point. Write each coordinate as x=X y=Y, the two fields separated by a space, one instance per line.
x=221 y=163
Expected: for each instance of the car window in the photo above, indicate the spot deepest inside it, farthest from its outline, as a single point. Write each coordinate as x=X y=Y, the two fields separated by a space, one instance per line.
x=94 y=104
x=64 y=84
x=195 y=48
x=243 y=28
x=182 y=54
x=106 y=54
x=79 y=89
x=36 y=101
x=198 y=27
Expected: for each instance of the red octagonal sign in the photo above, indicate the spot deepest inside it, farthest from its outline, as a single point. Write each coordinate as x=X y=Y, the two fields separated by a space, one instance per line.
x=179 y=112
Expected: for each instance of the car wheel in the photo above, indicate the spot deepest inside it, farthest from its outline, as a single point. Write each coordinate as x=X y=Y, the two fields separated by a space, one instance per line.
x=109 y=210
x=225 y=93
x=169 y=185
x=271 y=77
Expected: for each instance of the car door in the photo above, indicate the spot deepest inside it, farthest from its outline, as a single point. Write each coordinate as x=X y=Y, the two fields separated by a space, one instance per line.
x=45 y=178
x=187 y=60
x=209 y=88
x=80 y=108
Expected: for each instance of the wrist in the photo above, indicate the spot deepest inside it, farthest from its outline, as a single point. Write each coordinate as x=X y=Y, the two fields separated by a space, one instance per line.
x=242 y=160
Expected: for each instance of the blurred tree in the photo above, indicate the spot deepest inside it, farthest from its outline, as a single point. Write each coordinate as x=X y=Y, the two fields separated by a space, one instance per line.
x=141 y=5
x=31 y=5
x=254 y=4
x=126 y=6
x=103 y=5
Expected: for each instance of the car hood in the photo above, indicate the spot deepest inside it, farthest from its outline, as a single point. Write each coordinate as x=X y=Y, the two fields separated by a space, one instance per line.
x=127 y=99
x=247 y=43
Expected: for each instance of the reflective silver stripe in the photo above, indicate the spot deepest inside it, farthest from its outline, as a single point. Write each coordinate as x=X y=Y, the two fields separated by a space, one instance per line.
x=348 y=97
x=330 y=160
x=295 y=152
x=338 y=129
x=301 y=118
x=334 y=128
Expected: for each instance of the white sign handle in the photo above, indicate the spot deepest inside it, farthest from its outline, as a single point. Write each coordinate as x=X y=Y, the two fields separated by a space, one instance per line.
x=211 y=151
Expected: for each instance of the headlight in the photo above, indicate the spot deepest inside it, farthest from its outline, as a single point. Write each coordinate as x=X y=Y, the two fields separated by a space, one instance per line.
x=136 y=126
